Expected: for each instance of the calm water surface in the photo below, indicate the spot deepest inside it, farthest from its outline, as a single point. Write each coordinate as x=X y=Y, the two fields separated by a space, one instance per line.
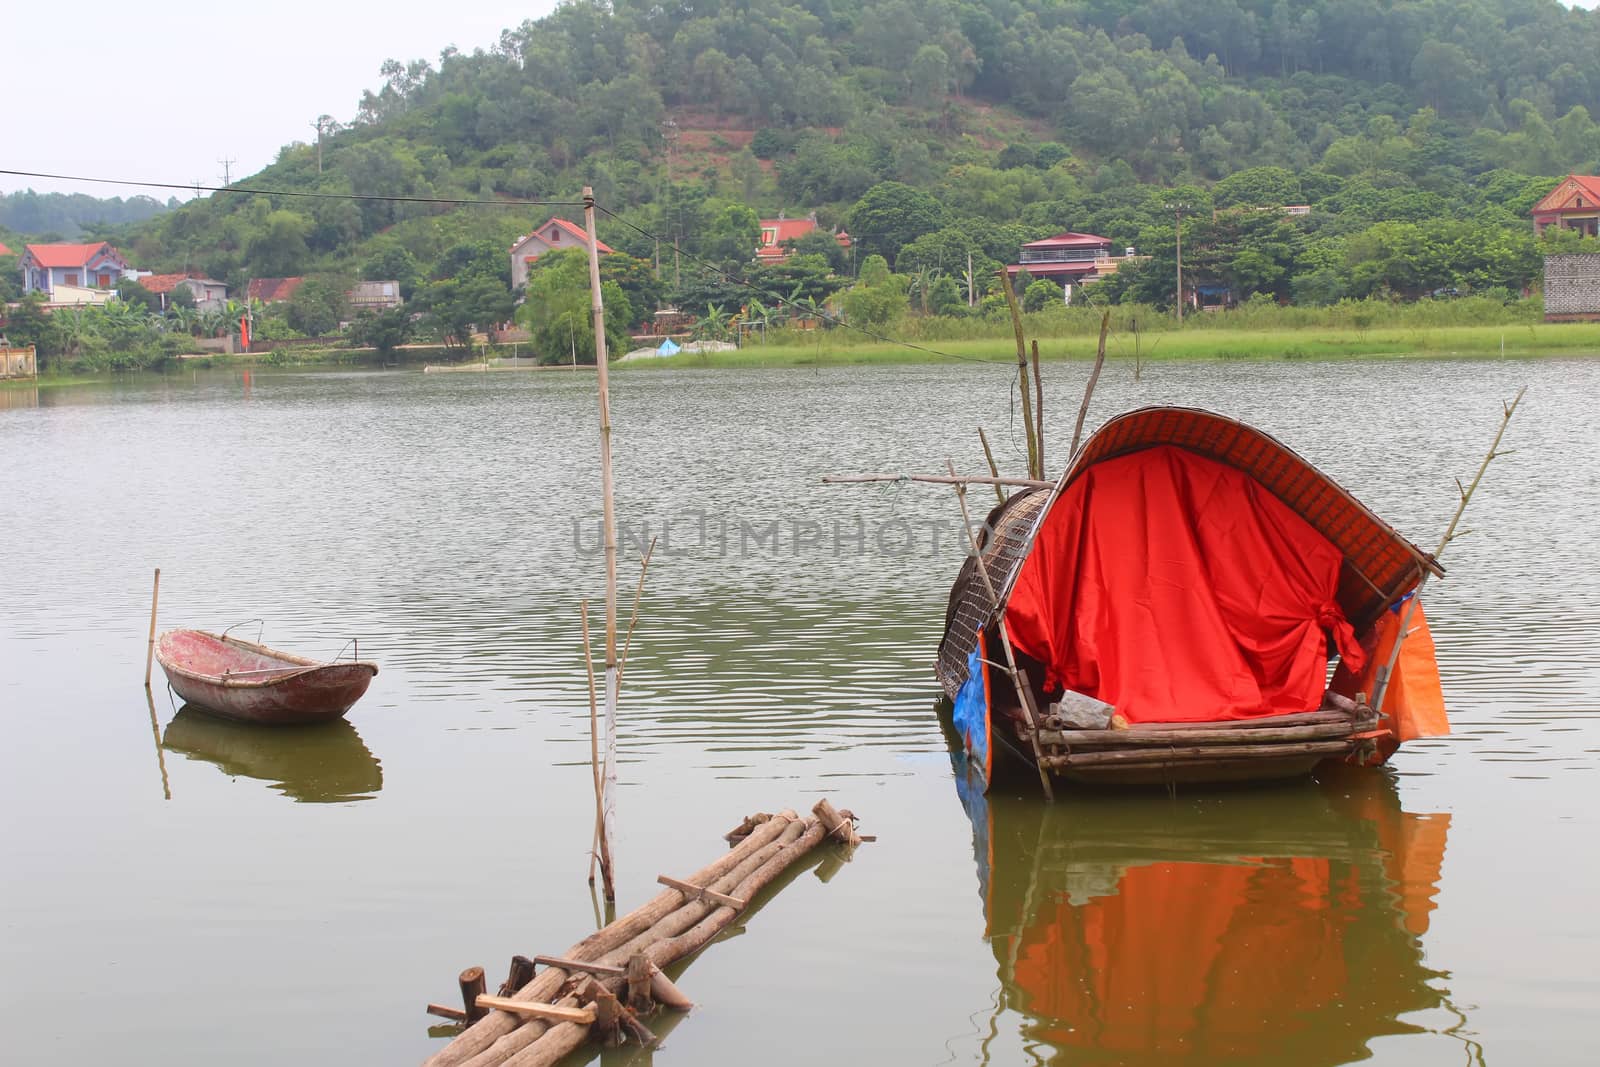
x=203 y=893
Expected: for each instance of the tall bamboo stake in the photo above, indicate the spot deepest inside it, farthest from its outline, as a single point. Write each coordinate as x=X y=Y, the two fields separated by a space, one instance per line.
x=1024 y=693
x=1022 y=373
x=608 y=804
x=601 y=843
x=1038 y=410
x=1386 y=672
x=1094 y=376
x=150 y=649
x=994 y=471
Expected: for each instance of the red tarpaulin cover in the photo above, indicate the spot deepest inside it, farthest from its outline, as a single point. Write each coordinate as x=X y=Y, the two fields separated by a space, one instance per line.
x=1177 y=589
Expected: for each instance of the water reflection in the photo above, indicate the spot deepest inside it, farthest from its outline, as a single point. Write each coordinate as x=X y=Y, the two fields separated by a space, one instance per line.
x=321 y=763
x=1277 y=926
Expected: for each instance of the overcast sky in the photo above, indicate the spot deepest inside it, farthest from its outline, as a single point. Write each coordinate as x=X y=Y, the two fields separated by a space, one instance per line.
x=161 y=92
x=157 y=94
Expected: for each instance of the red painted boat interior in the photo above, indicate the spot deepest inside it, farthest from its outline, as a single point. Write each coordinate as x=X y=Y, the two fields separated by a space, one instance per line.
x=202 y=654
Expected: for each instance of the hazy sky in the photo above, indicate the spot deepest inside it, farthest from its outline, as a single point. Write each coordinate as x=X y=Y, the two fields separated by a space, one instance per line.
x=161 y=93
x=158 y=94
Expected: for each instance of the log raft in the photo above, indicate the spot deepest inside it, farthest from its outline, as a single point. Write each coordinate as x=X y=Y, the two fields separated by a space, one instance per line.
x=604 y=983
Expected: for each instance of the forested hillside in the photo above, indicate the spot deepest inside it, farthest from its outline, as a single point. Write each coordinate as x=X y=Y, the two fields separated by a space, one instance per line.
x=69 y=216
x=1420 y=133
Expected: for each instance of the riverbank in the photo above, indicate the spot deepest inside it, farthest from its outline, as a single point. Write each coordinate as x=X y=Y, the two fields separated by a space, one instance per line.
x=1186 y=345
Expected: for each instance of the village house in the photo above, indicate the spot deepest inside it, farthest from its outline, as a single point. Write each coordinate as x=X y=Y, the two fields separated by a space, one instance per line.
x=209 y=295
x=553 y=236
x=4 y=251
x=271 y=290
x=1068 y=259
x=774 y=232
x=85 y=266
x=1574 y=204
x=374 y=296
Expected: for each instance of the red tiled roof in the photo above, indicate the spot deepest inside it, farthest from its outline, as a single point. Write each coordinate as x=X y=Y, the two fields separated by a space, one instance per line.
x=784 y=230
x=4 y=251
x=1588 y=183
x=272 y=290
x=575 y=232
x=1069 y=239
x=68 y=255
x=161 y=283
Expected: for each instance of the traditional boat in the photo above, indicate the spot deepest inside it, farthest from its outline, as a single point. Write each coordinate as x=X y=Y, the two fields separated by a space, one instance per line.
x=253 y=683
x=1166 y=612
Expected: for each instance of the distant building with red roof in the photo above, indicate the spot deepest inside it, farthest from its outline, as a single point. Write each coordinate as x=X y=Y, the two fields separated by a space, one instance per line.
x=84 y=266
x=553 y=236
x=774 y=232
x=4 y=251
x=272 y=290
x=1067 y=259
x=1574 y=204
x=207 y=292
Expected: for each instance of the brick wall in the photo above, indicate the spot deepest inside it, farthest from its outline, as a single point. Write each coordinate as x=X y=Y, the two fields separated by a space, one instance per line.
x=1572 y=286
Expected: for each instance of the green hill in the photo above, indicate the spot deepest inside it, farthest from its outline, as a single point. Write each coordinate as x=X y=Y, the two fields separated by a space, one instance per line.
x=1419 y=133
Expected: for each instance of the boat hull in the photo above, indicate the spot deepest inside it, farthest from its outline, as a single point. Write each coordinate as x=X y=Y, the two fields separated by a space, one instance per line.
x=253 y=683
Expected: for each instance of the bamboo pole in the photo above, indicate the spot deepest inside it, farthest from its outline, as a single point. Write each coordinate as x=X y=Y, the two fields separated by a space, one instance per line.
x=150 y=649
x=633 y=619
x=1024 y=691
x=1094 y=377
x=600 y=841
x=1022 y=373
x=609 y=776
x=994 y=471
x=1137 y=738
x=1038 y=410
x=1386 y=671
x=936 y=479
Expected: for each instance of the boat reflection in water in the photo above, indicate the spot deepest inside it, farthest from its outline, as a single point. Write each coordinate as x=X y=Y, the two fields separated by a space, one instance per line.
x=319 y=763
x=1277 y=926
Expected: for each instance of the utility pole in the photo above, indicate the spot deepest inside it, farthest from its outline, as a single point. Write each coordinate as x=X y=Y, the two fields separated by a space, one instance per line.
x=1179 y=208
x=227 y=171
x=322 y=122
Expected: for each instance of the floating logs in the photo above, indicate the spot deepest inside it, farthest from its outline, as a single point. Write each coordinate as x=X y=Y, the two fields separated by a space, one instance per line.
x=602 y=984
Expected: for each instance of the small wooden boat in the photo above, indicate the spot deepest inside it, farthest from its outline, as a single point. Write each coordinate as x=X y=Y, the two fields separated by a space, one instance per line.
x=253 y=683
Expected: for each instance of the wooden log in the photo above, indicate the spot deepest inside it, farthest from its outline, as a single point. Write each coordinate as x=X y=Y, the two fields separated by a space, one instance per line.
x=700 y=892
x=838 y=827
x=502 y=1036
x=1136 y=738
x=1157 y=757
x=536 y=1010
x=607 y=1015
x=482 y=1035
x=666 y=992
x=472 y=987
x=581 y=966
x=1299 y=718
x=444 y=1012
x=520 y=974
x=639 y=998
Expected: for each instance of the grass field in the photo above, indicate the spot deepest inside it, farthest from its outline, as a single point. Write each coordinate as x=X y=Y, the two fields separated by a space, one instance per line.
x=1311 y=343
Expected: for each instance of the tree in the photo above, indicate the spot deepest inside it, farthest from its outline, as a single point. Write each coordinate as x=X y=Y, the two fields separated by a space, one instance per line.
x=278 y=249
x=878 y=298
x=1040 y=295
x=733 y=234
x=318 y=306
x=558 y=311
x=384 y=330
x=892 y=214
x=454 y=308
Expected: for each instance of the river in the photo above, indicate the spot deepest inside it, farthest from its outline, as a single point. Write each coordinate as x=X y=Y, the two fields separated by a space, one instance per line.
x=245 y=897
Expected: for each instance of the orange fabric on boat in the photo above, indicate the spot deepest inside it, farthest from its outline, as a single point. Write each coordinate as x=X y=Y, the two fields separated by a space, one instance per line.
x=1414 y=701
x=1177 y=588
